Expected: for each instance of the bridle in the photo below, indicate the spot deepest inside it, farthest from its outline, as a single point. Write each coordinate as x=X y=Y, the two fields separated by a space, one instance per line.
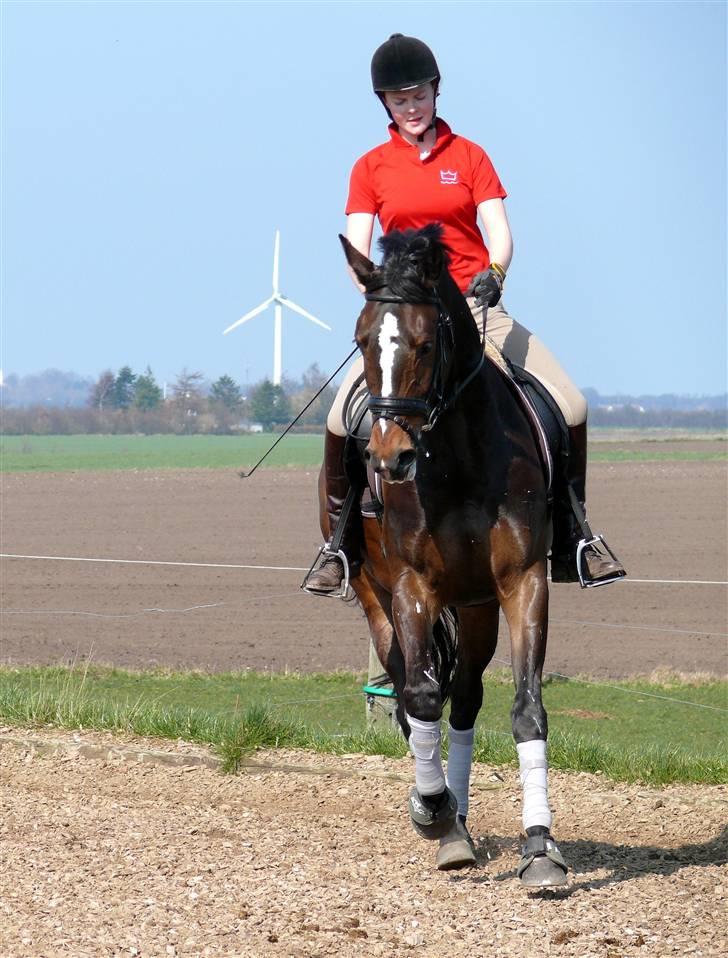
x=442 y=393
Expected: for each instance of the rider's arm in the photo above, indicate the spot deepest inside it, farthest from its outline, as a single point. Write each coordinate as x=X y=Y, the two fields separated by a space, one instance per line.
x=500 y=241
x=359 y=229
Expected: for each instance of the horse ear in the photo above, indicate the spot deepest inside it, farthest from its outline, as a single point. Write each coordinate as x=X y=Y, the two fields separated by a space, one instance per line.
x=363 y=267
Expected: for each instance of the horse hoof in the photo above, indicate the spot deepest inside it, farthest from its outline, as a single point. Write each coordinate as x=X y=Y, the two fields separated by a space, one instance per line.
x=456 y=848
x=432 y=815
x=541 y=864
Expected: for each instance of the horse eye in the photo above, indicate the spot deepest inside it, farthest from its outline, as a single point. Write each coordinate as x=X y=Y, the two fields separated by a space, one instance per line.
x=424 y=349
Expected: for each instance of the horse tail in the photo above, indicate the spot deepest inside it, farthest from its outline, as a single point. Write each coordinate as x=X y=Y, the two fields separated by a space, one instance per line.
x=445 y=649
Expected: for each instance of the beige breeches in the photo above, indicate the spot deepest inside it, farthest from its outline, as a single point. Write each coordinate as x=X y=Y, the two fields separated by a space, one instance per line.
x=518 y=345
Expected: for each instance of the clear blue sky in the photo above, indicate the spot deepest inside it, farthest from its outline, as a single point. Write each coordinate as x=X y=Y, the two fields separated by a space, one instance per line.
x=151 y=149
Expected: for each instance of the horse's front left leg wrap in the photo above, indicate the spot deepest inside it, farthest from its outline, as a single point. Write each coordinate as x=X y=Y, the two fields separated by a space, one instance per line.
x=534 y=773
x=425 y=741
x=459 y=762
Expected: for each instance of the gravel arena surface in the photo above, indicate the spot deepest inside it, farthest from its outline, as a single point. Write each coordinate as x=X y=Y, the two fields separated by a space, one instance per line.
x=666 y=520
x=107 y=857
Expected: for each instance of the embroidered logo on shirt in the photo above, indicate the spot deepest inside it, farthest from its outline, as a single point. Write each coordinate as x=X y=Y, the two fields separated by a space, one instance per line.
x=448 y=177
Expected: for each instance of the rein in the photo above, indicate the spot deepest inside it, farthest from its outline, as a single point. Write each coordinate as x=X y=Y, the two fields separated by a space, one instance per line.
x=396 y=409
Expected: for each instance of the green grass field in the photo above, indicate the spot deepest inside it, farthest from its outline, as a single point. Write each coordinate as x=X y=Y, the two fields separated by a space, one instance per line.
x=632 y=730
x=95 y=453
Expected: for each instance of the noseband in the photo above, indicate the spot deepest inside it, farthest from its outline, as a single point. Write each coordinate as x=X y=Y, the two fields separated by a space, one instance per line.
x=439 y=397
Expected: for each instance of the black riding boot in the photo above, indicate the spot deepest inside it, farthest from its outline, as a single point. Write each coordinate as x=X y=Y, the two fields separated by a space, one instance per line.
x=598 y=564
x=328 y=577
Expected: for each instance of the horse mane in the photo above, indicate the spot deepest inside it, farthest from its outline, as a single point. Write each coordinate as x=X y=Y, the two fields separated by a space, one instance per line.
x=413 y=261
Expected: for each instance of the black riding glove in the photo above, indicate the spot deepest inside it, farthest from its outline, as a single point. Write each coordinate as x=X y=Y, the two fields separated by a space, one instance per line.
x=486 y=287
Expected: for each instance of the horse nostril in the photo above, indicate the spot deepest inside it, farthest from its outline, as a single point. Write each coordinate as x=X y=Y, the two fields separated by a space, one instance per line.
x=407 y=458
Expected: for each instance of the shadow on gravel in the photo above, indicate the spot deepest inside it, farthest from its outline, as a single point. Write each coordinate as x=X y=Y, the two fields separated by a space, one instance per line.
x=623 y=862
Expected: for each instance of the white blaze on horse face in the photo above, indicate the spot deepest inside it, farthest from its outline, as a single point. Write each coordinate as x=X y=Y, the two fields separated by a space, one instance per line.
x=388 y=335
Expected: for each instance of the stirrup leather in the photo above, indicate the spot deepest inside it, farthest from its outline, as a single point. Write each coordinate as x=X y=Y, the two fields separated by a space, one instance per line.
x=324 y=552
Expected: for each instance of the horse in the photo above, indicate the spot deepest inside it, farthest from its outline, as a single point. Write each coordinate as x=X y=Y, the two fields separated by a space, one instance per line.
x=465 y=532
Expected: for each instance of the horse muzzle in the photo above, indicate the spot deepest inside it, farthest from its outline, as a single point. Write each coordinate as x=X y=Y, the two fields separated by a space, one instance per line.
x=398 y=465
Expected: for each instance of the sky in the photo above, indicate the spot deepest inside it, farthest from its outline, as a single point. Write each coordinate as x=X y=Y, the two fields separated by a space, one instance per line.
x=150 y=150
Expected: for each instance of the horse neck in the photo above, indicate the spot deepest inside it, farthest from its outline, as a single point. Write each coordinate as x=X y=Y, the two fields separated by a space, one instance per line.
x=468 y=345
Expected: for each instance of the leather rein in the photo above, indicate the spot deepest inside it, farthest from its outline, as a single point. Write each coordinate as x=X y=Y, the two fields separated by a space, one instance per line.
x=440 y=397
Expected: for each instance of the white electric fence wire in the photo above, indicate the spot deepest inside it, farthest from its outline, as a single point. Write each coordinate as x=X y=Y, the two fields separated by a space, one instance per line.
x=107 y=615
x=298 y=593
x=619 y=688
x=637 y=628
x=190 y=565
x=134 y=615
x=285 y=568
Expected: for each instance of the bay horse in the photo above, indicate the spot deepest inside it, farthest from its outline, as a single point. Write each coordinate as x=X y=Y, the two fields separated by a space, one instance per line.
x=465 y=531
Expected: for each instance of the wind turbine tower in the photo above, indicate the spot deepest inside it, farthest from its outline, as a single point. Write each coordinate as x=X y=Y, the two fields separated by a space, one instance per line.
x=278 y=303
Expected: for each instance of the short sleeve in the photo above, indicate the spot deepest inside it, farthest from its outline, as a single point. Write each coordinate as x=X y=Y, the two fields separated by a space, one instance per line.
x=362 y=198
x=486 y=185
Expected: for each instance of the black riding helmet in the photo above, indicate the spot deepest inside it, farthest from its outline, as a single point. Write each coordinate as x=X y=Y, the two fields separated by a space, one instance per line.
x=402 y=63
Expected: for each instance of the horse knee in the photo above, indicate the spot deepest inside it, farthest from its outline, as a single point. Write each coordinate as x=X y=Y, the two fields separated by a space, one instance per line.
x=528 y=718
x=423 y=701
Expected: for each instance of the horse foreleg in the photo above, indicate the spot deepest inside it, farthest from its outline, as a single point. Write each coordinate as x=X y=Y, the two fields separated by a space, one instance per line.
x=432 y=805
x=526 y=610
x=478 y=636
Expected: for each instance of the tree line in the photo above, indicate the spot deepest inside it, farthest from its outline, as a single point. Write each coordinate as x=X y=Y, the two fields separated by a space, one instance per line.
x=123 y=401
x=129 y=402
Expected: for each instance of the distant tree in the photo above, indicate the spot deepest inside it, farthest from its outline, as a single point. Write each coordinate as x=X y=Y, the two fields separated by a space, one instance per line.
x=122 y=395
x=226 y=392
x=188 y=401
x=102 y=390
x=188 y=385
x=269 y=404
x=312 y=381
x=147 y=394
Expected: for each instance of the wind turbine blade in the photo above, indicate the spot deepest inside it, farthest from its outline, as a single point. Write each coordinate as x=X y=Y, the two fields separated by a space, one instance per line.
x=276 y=255
x=253 y=312
x=302 y=312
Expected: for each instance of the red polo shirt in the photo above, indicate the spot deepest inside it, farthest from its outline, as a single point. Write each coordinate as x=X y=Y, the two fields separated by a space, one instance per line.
x=405 y=192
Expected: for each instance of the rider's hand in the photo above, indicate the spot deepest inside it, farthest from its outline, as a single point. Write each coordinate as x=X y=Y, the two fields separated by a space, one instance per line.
x=487 y=287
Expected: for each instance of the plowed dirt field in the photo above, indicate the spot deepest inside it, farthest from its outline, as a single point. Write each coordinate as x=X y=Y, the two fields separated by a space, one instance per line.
x=666 y=520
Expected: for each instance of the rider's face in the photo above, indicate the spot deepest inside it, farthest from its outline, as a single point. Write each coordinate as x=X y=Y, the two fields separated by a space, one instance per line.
x=412 y=109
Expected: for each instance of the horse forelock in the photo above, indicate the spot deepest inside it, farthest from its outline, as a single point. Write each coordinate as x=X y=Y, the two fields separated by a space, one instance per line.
x=408 y=254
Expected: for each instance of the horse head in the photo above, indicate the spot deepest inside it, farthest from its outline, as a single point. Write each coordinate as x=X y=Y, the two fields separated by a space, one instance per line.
x=406 y=342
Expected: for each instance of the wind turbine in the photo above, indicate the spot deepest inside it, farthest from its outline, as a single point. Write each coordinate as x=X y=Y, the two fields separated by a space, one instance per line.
x=279 y=301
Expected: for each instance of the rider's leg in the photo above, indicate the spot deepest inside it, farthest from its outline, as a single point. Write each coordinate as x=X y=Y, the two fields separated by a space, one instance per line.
x=329 y=576
x=524 y=349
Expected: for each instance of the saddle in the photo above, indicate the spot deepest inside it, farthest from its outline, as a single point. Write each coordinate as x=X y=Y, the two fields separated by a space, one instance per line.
x=548 y=426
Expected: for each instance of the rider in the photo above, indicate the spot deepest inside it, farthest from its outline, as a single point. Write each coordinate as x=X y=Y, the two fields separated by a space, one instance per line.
x=427 y=173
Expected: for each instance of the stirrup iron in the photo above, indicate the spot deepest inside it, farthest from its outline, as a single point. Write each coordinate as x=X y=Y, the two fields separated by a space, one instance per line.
x=598 y=544
x=343 y=592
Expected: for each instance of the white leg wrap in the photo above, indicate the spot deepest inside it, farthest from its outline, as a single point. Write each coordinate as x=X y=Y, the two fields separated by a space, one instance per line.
x=534 y=770
x=424 y=744
x=459 y=760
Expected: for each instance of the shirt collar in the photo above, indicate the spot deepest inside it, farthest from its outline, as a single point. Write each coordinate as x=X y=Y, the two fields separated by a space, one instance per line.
x=443 y=135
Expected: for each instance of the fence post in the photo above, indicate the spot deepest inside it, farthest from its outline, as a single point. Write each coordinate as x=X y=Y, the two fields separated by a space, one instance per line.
x=381 y=702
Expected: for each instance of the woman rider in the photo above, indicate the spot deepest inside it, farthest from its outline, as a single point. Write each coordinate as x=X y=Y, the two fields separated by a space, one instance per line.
x=425 y=174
